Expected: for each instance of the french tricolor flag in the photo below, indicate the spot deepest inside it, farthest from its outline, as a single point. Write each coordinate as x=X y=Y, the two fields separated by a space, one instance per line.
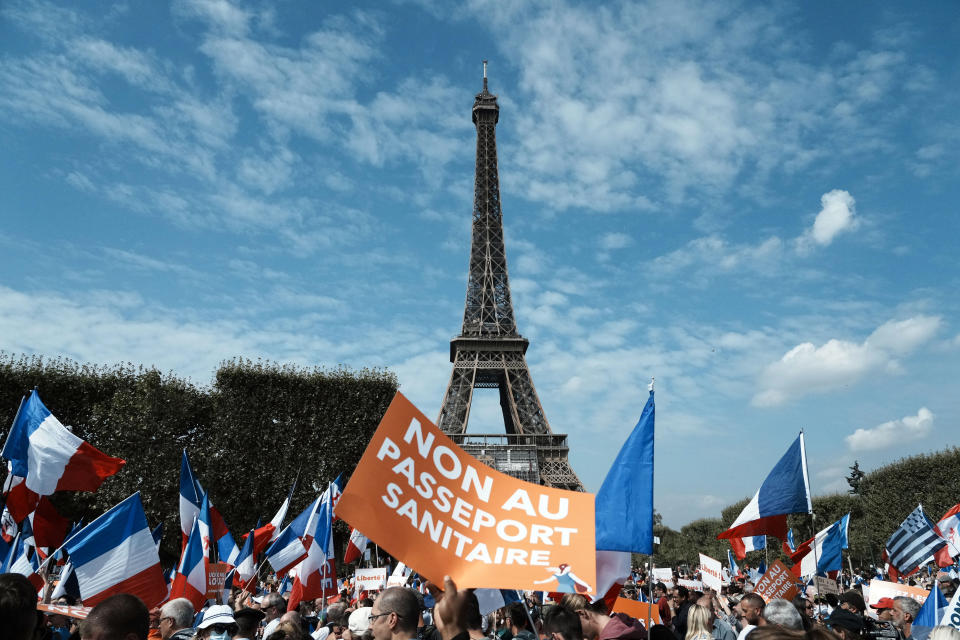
x=116 y=554
x=751 y=543
x=46 y=457
x=191 y=579
x=246 y=563
x=288 y=549
x=316 y=575
x=191 y=494
x=268 y=533
x=785 y=490
x=355 y=546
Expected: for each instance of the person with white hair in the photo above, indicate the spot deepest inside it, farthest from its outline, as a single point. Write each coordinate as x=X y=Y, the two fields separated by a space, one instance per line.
x=905 y=611
x=943 y=633
x=176 y=620
x=783 y=614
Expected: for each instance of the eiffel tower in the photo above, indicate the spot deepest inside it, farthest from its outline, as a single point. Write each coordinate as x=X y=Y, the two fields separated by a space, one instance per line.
x=489 y=352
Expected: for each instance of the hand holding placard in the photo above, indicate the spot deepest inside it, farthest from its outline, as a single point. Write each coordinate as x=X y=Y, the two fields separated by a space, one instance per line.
x=449 y=614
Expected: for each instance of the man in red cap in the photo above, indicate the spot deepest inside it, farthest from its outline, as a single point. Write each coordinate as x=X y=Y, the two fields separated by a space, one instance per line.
x=884 y=608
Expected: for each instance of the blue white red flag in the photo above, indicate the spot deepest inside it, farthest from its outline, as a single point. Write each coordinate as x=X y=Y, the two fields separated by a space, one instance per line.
x=612 y=571
x=284 y=587
x=785 y=490
x=268 y=533
x=734 y=569
x=316 y=575
x=751 y=543
x=790 y=543
x=46 y=457
x=21 y=560
x=205 y=527
x=246 y=563
x=355 y=546
x=822 y=553
x=116 y=554
x=191 y=494
x=191 y=500
x=191 y=579
x=949 y=527
x=624 y=503
x=287 y=550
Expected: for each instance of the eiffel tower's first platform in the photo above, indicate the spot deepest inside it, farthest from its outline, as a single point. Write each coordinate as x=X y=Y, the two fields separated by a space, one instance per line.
x=489 y=352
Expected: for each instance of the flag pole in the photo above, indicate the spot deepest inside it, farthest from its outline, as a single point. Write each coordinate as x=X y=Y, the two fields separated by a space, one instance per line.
x=650 y=592
x=254 y=578
x=813 y=518
x=650 y=575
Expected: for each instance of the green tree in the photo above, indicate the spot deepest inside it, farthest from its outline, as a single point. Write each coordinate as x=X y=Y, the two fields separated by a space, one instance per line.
x=247 y=434
x=855 y=477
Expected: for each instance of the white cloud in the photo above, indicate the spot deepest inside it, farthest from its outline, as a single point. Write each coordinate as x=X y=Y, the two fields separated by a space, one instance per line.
x=714 y=254
x=906 y=429
x=615 y=240
x=903 y=336
x=807 y=368
x=698 y=113
x=837 y=215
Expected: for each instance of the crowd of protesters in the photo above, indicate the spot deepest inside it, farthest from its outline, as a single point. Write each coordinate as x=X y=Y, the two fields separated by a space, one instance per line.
x=404 y=613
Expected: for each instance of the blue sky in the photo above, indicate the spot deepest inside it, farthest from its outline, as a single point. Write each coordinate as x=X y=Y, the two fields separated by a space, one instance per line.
x=757 y=205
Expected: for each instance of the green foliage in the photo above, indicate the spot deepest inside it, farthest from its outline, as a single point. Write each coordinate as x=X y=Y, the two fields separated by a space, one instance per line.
x=247 y=435
x=877 y=504
x=855 y=477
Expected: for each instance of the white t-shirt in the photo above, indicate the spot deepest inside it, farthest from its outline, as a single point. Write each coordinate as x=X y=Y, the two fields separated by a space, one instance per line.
x=746 y=629
x=271 y=627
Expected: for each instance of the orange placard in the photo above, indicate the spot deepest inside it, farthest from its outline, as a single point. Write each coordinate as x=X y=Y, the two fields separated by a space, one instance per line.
x=216 y=576
x=435 y=507
x=69 y=611
x=637 y=610
x=777 y=582
x=883 y=589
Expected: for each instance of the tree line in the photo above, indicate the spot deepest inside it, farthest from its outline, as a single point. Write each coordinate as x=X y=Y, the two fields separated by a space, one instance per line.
x=248 y=433
x=877 y=502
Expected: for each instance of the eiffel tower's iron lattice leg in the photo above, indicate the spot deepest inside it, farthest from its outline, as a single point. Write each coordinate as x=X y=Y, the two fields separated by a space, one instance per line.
x=523 y=415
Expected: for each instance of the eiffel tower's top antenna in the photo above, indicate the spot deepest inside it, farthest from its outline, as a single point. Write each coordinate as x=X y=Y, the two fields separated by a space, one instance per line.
x=485 y=77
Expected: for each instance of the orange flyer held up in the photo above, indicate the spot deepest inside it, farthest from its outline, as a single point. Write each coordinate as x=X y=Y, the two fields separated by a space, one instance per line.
x=435 y=507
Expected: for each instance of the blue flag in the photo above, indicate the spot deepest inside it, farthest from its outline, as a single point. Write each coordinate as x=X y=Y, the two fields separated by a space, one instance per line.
x=157 y=534
x=624 y=504
x=932 y=610
x=734 y=569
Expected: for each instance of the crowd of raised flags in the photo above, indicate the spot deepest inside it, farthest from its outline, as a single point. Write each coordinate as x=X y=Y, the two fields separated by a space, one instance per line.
x=118 y=551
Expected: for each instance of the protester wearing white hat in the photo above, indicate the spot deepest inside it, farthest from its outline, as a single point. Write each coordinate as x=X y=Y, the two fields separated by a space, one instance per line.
x=218 y=623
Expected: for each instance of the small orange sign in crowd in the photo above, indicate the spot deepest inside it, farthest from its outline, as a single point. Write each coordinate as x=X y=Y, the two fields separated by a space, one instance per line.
x=777 y=582
x=426 y=501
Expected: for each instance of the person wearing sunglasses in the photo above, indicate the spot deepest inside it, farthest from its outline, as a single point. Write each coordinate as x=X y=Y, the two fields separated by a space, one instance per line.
x=394 y=615
x=218 y=623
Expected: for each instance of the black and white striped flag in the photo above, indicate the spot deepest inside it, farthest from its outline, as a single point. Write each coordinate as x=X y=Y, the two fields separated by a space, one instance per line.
x=913 y=543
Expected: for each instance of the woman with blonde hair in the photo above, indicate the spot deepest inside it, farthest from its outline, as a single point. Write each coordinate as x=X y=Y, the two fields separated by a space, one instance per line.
x=698 y=624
